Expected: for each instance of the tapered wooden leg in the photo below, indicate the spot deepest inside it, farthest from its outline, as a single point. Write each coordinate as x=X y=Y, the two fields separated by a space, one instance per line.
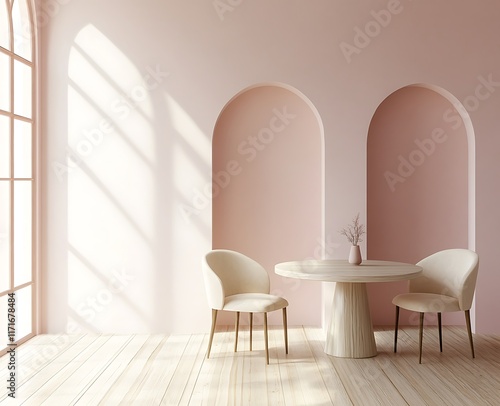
x=266 y=339
x=396 y=330
x=251 y=326
x=440 y=328
x=236 y=328
x=469 y=331
x=420 y=336
x=285 y=330
x=212 y=331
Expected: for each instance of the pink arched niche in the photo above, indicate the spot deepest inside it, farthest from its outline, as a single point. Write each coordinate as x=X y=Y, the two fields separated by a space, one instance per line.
x=267 y=157
x=418 y=171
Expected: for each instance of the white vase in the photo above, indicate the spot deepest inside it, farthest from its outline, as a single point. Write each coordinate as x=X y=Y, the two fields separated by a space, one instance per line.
x=355 y=255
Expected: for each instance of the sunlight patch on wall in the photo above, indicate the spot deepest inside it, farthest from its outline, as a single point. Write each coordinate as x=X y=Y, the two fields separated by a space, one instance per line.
x=111 y=188
x=185 y=127
x=190 y=153
x=95 y=58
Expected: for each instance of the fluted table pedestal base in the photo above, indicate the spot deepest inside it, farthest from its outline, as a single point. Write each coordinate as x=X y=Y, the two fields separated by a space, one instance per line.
x=350 y=333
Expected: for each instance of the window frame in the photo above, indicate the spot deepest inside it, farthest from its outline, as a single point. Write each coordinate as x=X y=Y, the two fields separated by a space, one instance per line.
x=12 y=180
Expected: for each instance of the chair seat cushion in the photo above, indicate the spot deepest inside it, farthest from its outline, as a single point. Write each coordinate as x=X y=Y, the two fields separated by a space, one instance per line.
x=254 y=303
x=427 y=302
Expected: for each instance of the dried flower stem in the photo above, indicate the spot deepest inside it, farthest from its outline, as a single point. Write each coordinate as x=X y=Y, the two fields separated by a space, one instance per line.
x=354 y=232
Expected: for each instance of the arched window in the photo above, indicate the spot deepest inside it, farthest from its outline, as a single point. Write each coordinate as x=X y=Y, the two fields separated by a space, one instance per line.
x=17 y=172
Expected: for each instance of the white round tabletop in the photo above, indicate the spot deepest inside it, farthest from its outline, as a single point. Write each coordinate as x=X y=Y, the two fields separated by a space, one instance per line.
x=334 y=270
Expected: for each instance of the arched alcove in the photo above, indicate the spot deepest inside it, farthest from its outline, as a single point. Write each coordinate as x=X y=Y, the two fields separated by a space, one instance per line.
x=419 y=183
x=267 y=157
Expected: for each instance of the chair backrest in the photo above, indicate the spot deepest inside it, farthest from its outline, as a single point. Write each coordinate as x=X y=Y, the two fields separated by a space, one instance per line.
x=229 y=273
x=451 y=272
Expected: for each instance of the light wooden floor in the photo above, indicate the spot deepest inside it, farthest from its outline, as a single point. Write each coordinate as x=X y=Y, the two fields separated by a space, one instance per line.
x=172 y=370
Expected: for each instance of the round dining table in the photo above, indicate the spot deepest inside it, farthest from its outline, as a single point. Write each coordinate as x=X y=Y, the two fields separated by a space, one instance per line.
x=350 y=330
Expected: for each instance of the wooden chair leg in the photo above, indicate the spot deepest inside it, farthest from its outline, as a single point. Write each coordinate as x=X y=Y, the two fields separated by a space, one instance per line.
x=440 y=328
x=421 y=336
x=266 y=339
x=285 y=330
x=236 y=328
x=251 y=326
x=212 y=331
x=469 y=331
x=396 y=330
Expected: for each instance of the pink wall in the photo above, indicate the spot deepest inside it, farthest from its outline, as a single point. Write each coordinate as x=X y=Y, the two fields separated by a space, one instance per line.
x=267 y=165
x=140 y=201
x=417 y=186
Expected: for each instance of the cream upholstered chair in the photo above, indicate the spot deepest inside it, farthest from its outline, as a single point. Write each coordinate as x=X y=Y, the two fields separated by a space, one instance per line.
x=447 y=284
x=237 y=283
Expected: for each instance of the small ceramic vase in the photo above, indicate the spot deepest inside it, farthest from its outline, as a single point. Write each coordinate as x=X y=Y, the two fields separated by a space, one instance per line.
x=355 y=255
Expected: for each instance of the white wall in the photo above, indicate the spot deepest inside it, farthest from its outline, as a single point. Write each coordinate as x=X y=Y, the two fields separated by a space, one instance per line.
x=117 y=210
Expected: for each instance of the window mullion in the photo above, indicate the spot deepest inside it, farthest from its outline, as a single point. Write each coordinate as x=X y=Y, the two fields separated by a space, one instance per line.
x=11 y=170
x=10 y=6
x=11 y=230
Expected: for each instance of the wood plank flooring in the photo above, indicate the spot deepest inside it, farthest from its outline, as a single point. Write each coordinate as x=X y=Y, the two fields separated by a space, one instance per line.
x=172 y=370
